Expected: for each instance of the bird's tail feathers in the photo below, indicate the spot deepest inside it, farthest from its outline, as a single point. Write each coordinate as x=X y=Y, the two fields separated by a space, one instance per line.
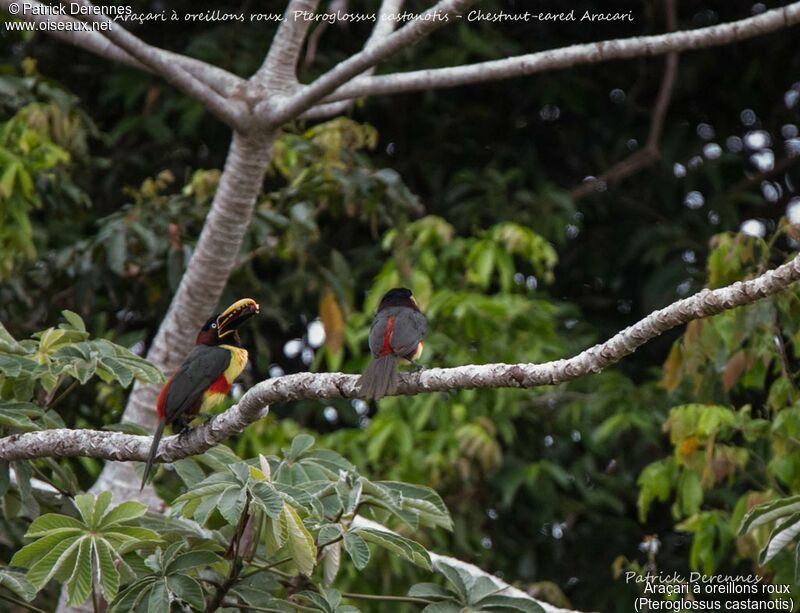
x=380 y=378
x=153 y=449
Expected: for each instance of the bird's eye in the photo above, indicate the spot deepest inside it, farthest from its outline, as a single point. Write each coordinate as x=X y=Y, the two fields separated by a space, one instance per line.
x=213 y=325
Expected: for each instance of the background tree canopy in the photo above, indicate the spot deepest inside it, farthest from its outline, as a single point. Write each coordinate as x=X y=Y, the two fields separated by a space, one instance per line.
x=469 y=196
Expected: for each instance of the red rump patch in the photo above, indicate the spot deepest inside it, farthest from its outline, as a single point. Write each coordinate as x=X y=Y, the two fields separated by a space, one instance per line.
x=162 y=398
x=220 y=386
x=387 y=336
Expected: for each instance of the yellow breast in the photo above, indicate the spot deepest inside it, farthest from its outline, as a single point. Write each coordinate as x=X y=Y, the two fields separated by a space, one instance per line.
x=238 y=362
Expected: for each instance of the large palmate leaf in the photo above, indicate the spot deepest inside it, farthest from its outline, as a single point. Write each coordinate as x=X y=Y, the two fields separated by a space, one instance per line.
x=396 y=544
x=66 y=548
x=173 y=579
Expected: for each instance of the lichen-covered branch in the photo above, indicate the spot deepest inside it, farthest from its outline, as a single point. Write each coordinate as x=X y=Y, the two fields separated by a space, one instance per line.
x=574 y=55
x=440 y=14
x=279 y=70
x=256 y=402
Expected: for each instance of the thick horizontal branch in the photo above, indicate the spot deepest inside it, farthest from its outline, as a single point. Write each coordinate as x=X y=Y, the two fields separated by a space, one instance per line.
x=566 y=57
x=305 y=386
x=440 y=14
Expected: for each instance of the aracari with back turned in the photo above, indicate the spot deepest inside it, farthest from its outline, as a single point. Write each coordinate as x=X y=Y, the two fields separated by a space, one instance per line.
x=206 y=375
x=396 y=332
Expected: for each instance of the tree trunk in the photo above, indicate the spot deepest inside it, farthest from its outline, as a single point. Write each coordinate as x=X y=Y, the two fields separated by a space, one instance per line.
x=199 y=291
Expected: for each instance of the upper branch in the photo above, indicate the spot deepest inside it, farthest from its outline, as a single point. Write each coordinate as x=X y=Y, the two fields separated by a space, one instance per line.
x=255 y=403
x=566 y=57
x=280 y=65
x=435 y=17
x=382 y=29
x=171 y=71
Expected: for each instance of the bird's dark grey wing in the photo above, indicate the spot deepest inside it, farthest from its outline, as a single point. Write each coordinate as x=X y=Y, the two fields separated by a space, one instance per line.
x=409 y=329
x=200 y=369
x=377 y=331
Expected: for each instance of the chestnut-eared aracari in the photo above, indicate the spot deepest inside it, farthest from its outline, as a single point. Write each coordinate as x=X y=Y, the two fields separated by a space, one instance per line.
x=396 y=332
x=206 y=375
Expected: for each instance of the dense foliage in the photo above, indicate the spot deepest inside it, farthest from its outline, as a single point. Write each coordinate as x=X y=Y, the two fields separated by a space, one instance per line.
x=464 y=196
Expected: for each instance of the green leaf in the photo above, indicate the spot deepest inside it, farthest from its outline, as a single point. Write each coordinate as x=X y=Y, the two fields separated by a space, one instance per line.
x=328 y=533
x=24 y=472
x=275 y=533
x=108 y=574
x=51 y=562
x=128 y=600
x=300 y=541
x=691 y=492
x=481 y=588
x=331 y=562
x=425 y=502
x=300 y=444
x=231 y=504
x=267 y=498
x=159 y=597
x=189 y=471
x=357 y=549
x=101 y=504
x=14 y=365
x=19 y=415
x=191 y=559
x=408 y=549
x=17 y=584
x=74 y=320
x=218 y=458
x=765 y=513
x=124 y=512
x=85 y=505
x=188 y=590
x=26 y=556
x=456 y=579
x=781 y=536
x=499 y=603
x=257 y=589
x=117 y=370
x=49 y=339
x=52 y=521
x=79 y=585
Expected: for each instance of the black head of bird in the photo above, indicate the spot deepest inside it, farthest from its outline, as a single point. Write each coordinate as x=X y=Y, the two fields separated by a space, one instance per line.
x=223 y=328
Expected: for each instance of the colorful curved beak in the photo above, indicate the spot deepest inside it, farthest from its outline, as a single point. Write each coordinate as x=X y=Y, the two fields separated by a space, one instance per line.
x=232 y=318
